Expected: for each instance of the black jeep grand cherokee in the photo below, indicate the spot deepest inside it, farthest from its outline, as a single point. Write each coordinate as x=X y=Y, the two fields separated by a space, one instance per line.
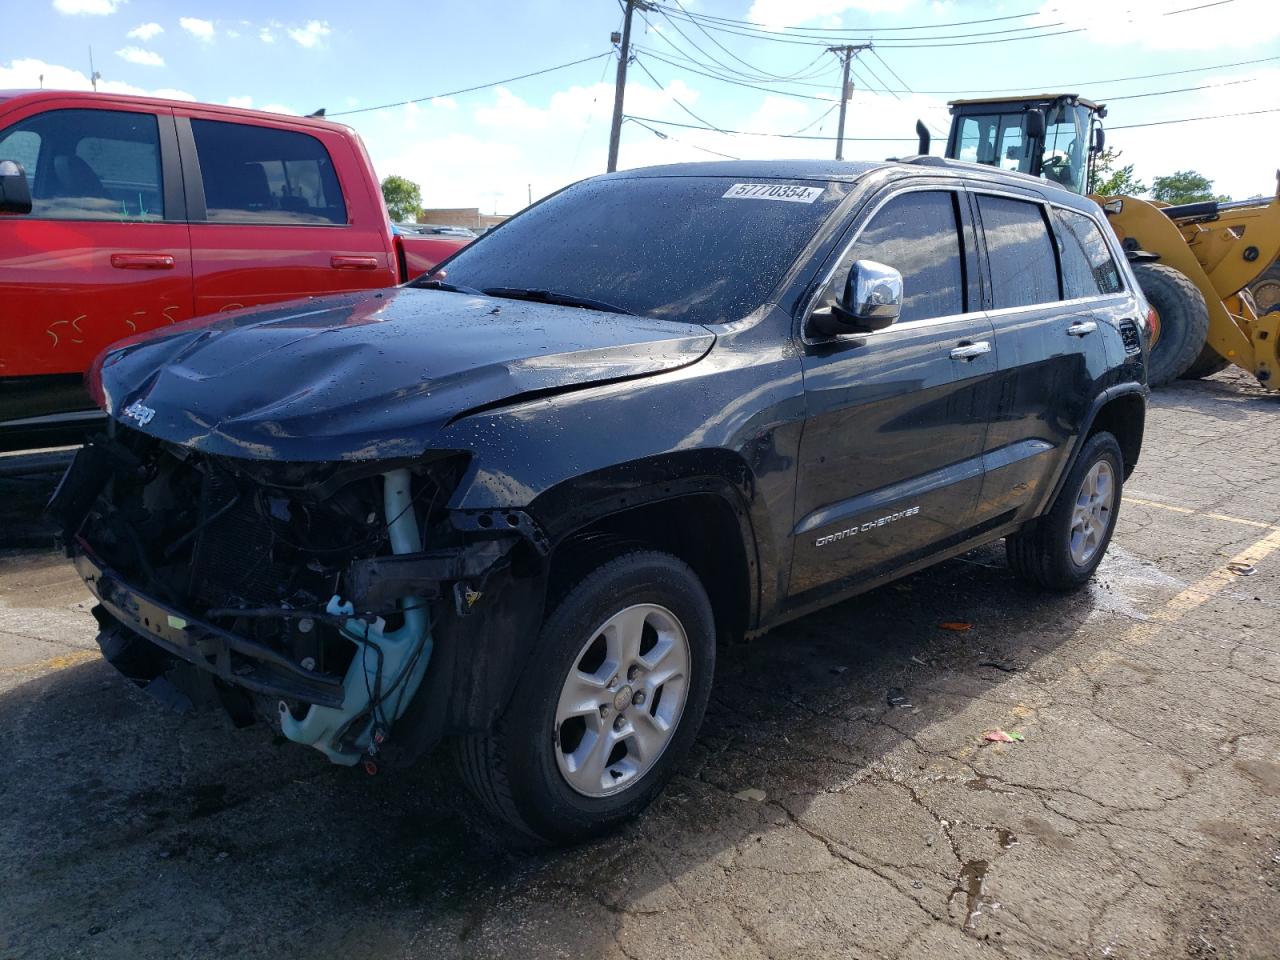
x=516 y=503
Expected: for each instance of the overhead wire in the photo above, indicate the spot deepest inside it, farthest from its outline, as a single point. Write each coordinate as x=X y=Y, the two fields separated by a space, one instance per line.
x=666 y=136
x=479 y=86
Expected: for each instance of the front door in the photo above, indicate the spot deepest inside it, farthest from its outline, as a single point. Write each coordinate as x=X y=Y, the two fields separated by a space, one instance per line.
x=103 y=254
x=890 y=463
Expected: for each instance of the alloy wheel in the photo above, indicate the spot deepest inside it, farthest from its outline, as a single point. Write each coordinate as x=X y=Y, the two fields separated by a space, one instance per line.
x=622 y=700
x=1091 y=517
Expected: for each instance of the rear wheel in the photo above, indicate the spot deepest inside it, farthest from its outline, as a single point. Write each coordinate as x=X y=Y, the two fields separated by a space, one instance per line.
x=1061 y=549
x=1207 y=364
x=609 y=706
x=1183 y=320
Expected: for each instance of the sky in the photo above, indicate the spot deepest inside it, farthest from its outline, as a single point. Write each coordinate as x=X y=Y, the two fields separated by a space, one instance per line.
x=496 y=147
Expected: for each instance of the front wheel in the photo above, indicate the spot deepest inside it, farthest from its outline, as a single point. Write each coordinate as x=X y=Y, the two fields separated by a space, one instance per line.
x=608 y=707
x=1061 y=549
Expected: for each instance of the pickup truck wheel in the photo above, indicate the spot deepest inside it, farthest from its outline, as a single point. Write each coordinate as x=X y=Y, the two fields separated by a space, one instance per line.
x=609 y=705
x=1061 y=550
x=1184 y=320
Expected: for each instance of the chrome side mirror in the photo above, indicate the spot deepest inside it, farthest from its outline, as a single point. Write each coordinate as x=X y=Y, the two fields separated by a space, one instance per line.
x=872 y=300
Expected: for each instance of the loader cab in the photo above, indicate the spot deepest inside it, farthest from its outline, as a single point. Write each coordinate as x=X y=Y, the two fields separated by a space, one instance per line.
x=1054 y=136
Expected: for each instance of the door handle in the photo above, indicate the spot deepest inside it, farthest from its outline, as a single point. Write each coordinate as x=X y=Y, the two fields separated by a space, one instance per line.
x=354 y=263
x=967 y=351
x=143 y=261
x=1081 y=328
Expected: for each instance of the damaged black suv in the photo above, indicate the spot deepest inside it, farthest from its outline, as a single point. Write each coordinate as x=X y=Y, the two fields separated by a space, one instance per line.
x=515 y=504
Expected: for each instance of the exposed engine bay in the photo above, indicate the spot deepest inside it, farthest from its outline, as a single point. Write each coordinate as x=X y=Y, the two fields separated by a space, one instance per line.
x=304 y=593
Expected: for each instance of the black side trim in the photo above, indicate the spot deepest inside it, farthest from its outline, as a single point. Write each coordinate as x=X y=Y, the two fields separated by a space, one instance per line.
x=191 y=181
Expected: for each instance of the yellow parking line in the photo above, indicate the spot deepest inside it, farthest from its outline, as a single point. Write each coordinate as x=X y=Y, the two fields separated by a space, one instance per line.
x=54 y=663
x=1161 y=619
x=1139 y=501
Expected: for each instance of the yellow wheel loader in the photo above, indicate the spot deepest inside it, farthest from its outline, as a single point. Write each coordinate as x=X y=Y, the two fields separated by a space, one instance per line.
x=1208 y=269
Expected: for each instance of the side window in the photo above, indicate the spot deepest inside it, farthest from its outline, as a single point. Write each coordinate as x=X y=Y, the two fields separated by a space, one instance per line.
x=1087 y=265
x=89 y=164
x=1024 y=270
x=263 y=175
x=917 y=235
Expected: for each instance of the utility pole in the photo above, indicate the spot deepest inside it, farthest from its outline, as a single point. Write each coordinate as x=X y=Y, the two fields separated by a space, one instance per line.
x=620 y=89
x=846 y=54
x=94 y=75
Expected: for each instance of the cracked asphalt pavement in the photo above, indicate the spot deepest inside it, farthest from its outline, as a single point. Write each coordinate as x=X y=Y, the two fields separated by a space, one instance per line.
x=842 y=801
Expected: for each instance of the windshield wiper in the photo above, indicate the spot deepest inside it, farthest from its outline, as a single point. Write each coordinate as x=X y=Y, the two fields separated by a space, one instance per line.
x=554 y=296
x=448 y=287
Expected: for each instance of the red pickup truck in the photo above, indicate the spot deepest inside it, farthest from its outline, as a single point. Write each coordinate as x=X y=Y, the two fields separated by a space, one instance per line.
x=120 y=214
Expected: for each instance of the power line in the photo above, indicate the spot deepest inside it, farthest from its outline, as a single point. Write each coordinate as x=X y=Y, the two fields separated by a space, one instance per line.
x=666 y=136
x=739 y=83
x=1162 y=93
x=481 y=86
x=758 y=133
x=640 y=63
x=1218 y=116
x=929 y=26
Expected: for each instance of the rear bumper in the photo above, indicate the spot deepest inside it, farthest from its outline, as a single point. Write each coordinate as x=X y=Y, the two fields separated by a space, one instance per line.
x=232 y=658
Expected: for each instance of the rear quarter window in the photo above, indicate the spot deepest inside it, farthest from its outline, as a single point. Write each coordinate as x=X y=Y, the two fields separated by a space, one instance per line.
x=1020 y=253
x=1088 y=269
x=263 y=175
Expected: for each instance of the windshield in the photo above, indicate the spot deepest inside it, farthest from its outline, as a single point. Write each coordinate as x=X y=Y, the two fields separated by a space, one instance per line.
x=997 y=141
x=693 y=249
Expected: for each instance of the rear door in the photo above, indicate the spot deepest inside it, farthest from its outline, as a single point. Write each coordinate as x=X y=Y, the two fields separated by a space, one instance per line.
x=1049 y=350
x=275 y=214
x=890 y=463
x=103 y=254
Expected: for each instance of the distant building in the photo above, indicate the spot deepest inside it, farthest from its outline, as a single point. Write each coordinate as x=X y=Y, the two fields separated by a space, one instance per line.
x=469 y=217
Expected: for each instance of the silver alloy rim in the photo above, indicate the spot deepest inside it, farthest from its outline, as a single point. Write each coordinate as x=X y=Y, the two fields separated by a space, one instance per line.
x=622 y=700
x=1091 y=517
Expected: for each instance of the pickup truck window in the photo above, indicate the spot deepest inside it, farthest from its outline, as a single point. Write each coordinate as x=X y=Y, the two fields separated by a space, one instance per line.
x=1019 y=252
x=1087 y=267
x=692 y=249
x=263 y=175
x=89 y=164
x=917 y=235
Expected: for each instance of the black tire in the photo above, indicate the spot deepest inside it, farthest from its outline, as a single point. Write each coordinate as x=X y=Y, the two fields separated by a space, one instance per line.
x=1207 y=364
x=1266 y=290
x=513 y=769
x=1041 y=552
x=1184 y=320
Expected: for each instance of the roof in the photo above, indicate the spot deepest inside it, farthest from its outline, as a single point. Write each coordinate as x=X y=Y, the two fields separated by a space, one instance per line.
x=847 y=171
x=1027 y=98
x=11 y=97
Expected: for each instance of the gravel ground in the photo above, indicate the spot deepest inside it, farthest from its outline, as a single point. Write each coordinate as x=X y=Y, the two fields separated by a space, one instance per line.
x=842 y=801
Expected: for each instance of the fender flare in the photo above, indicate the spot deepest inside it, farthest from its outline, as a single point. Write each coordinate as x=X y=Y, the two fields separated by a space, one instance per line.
x=1113 y=392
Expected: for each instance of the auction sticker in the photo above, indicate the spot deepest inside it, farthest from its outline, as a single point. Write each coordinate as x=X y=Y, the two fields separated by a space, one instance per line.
x=773 y=191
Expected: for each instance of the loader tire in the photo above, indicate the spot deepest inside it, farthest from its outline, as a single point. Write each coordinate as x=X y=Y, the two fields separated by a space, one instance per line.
x=1207 y=364
x=1184 y=320
x=1266 y=290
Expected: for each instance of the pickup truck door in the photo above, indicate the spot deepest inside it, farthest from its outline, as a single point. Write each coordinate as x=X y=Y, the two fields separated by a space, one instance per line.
x=103 y=254
x=890 y=462
x=278 y=213
x=1050 y=348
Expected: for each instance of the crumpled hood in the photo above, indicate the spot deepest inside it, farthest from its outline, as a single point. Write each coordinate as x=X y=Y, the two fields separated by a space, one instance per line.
x=371 y=375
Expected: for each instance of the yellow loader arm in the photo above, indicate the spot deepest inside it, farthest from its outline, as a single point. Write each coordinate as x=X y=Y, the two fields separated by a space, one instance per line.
x=1221 y=248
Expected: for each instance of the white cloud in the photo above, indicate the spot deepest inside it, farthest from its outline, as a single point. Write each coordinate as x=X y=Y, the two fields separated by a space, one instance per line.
x=233 y=33
x=311 y=35
x=245 y=101
x=144 y=58
x=94 y=8
x=266 y=36
x=1241 y=23
x=27 y=73
x=789 y=13
x=200 y=29
x=145 y=31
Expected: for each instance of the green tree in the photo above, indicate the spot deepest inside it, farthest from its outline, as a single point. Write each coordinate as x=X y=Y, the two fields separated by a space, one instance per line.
x=1184 y=186
x=1107 y=180
x=404 y=199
